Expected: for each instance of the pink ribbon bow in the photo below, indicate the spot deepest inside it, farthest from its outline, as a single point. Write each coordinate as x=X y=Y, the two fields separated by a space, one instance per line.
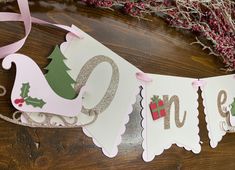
x=28 y=20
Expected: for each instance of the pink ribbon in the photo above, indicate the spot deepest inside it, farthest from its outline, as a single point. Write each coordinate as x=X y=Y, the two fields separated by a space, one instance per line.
x=198 y=83
x=28 y=20
x=143 y=77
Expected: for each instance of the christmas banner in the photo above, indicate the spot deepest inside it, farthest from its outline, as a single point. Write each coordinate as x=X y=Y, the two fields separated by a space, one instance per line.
x=87 y=85
x=170 y=115
x=83 y=78
x=97 y=87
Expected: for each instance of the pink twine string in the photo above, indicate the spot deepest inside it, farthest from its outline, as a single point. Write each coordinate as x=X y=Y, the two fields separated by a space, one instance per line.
x=198 y=83
x=28 y=20
x=143 y=77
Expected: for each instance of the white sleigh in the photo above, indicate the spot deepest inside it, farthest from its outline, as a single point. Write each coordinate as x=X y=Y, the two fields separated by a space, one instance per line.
x=27 y=71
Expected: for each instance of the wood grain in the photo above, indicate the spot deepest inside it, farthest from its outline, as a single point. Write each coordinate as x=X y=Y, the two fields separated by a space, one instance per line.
x=151 y=46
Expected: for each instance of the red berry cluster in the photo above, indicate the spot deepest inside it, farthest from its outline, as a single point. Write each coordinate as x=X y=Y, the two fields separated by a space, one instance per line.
x=19 y=102
x=213 y=20
x=134 y=8
x=99 y=3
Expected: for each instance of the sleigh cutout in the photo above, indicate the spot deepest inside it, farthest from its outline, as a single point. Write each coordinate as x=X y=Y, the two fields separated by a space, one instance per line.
x=32 y=93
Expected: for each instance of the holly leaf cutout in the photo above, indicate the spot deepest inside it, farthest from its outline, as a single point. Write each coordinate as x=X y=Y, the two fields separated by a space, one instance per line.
x=35 y=102
x=24 y=90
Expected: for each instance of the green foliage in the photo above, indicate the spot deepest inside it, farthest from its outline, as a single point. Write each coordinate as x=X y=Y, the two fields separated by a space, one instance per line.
x=24 y=90
x=35 y=102
x=57 y=75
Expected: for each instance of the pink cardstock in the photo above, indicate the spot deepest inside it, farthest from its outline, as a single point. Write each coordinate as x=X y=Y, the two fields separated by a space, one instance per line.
x=32 y=93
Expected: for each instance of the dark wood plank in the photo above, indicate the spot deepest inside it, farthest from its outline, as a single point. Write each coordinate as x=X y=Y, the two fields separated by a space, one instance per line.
x=151 y=46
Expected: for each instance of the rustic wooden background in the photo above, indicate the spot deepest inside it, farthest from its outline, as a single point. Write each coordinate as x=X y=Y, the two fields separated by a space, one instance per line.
x=150 y=45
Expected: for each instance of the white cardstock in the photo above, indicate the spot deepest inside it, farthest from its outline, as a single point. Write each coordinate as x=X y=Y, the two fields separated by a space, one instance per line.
x=106 y=131
x=215 y=104
x=156 y=136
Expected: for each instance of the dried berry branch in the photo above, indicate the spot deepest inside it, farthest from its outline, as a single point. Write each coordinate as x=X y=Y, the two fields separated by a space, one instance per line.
x=214 y=20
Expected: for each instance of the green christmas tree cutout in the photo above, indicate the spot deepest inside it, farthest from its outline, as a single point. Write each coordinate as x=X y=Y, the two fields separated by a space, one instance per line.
x=233 y=108
x=58 y=77
x=35 y=102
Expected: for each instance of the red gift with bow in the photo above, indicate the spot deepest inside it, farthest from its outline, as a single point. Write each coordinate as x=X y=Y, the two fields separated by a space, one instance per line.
x=157 y=108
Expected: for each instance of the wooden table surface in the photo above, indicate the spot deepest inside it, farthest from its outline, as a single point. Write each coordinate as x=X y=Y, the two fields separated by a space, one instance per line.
x=152 y=46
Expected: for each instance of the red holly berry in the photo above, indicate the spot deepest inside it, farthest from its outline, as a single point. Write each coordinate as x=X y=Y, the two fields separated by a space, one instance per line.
x=19 y=101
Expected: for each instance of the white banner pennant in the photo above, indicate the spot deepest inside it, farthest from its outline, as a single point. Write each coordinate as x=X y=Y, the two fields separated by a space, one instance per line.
x=180 y=125
x=218 y=96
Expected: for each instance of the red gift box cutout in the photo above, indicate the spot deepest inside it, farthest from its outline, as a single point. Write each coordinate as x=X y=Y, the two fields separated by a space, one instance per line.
x=157 y=108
